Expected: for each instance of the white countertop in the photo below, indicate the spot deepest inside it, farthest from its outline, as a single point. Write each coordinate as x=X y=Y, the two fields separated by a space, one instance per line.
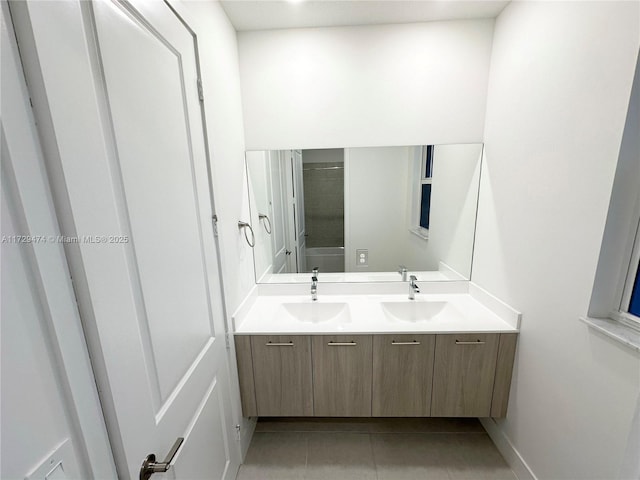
x=371 y=313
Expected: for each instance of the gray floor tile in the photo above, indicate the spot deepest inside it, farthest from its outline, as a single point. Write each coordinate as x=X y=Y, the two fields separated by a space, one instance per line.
x=344 y=456
x=274 y=456
x=254 y=472
x=410 y=456
x=399 y=449
x=476 y=457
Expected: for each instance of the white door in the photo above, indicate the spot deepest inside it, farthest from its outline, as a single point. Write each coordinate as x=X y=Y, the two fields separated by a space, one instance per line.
x=290 y=167
x=293 y=184
x=121 y=92
x=298 y=201
x=286 y=168
x=278 y=213
x=52 y=423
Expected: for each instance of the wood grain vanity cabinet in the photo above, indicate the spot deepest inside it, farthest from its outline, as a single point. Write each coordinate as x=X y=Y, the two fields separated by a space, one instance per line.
x=342 y=375
x=282 y=376
x=244 y=359
x=464 y=374
x=402 y=375
x=504 y=370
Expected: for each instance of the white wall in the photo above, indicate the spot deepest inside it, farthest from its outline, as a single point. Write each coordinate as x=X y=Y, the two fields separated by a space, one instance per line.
x=559 y=88
x=380 y=189
x=381 y=85
x=376 y=207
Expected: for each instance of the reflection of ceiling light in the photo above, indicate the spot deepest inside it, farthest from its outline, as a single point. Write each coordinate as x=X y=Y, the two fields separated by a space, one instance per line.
x=295 y=1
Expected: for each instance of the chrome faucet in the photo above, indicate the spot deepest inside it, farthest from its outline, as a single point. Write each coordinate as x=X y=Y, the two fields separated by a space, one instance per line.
x=403 y=271
x=315 y=272
x=314 y=287
x=413 y=287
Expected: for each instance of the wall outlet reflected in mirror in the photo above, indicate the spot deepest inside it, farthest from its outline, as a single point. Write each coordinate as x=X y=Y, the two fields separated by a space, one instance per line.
x=411 y=205
x=362 y=258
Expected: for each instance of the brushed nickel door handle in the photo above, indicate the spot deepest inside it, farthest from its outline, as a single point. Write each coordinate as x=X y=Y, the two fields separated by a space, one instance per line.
x=413 y=342
x=150 y=466
x=477 y=342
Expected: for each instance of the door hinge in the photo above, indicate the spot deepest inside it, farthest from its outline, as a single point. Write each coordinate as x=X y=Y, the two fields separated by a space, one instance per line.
x=238 y=432
x=200 y=90
x=227 y=340
x=214 y=222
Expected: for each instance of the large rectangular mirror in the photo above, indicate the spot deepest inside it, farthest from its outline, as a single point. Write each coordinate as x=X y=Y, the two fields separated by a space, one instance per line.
x=363 y=214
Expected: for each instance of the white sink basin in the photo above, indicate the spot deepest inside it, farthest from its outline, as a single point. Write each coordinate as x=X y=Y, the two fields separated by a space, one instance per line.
x=415 y=311
x=314 y=312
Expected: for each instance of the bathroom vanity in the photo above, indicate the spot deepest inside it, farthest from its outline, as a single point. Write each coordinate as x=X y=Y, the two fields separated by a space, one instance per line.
x=380 y=340
x=376 y=355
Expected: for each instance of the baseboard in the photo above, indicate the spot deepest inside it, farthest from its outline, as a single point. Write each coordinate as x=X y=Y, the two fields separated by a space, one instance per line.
x=508 y=451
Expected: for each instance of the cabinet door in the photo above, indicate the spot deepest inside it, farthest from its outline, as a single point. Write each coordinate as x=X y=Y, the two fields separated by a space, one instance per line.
x=282 y=374
x=402 y=375
x=463 y=375
x=342 y=375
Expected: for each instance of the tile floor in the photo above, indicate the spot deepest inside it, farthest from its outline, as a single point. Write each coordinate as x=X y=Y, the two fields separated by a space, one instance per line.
x=373 y=449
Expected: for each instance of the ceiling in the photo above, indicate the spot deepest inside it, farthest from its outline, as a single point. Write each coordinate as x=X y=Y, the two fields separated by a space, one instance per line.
x=271 y=14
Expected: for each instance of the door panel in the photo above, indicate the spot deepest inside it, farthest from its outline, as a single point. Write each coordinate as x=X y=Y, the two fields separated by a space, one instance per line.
x=278 y=215
x=301 y=238
x=146 y=87
x=129 y=150
x=206 y=428
x=286 y=164
x=49 y=401
x=292 y=167
x=164 y=202
x=27 y=353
